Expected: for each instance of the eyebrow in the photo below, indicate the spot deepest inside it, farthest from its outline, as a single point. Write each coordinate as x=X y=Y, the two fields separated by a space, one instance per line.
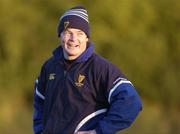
x=79 y=31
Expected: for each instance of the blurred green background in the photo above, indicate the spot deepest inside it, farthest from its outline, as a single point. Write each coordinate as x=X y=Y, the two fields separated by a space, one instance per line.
x=141 y=37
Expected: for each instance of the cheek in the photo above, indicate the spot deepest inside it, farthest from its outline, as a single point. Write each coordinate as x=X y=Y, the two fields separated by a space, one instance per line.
x=83 y=41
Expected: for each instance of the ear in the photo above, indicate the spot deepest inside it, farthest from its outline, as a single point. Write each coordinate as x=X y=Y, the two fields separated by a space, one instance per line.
x=61 y=35
x=87 y=39
x=62 y=38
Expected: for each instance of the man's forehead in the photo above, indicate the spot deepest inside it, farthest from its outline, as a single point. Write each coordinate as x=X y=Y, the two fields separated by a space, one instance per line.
x=73 y=30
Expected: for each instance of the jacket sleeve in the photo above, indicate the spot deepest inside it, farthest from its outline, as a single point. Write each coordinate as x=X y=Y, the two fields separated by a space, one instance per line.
x=124 y=104
x=39 y=97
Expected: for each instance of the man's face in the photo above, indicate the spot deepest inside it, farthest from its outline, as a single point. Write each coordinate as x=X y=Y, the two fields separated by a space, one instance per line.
x=74 y=43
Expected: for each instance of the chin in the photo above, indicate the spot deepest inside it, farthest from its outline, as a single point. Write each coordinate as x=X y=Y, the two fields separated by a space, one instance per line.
x=71 y=53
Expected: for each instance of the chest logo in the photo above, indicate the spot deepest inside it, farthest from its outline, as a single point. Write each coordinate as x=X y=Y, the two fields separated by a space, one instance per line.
x=52 y=76
x=80 y=80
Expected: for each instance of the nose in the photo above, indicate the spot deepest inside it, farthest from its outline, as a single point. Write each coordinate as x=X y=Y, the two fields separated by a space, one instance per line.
x=73 y=37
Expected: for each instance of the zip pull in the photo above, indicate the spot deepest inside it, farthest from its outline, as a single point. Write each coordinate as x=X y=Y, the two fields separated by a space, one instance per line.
x=65 y=73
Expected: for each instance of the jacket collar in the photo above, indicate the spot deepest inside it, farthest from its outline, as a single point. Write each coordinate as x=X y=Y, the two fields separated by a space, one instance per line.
x=58 y=53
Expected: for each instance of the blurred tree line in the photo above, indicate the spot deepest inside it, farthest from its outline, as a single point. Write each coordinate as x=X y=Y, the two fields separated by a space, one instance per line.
x=142 y=37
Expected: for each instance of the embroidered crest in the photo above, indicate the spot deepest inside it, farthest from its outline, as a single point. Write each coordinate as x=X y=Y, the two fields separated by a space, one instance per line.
x=80 y=80
x=52 y=76
x=66 y=23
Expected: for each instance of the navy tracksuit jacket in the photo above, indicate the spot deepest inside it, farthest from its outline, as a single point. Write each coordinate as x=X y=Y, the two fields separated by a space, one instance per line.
x=91 y=94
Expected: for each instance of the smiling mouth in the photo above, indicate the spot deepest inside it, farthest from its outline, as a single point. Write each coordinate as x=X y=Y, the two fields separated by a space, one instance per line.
x=72 y=46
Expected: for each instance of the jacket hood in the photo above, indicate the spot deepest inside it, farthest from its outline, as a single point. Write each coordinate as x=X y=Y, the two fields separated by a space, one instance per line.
x=58 y=53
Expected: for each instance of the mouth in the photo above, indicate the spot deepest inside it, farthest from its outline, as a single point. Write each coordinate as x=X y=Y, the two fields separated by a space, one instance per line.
x=72 y=46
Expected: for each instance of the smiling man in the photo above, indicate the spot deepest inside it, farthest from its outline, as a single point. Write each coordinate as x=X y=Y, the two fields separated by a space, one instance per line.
x=74 y=43
x=78 y=91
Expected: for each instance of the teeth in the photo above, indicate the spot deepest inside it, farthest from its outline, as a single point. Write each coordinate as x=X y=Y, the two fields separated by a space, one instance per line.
x=72 y=46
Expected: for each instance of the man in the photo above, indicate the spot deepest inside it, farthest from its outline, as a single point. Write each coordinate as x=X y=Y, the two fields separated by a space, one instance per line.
x=78 y=91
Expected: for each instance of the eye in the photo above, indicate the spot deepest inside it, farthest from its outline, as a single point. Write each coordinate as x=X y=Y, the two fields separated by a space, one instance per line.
x=67 y=33
x=80 y=34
